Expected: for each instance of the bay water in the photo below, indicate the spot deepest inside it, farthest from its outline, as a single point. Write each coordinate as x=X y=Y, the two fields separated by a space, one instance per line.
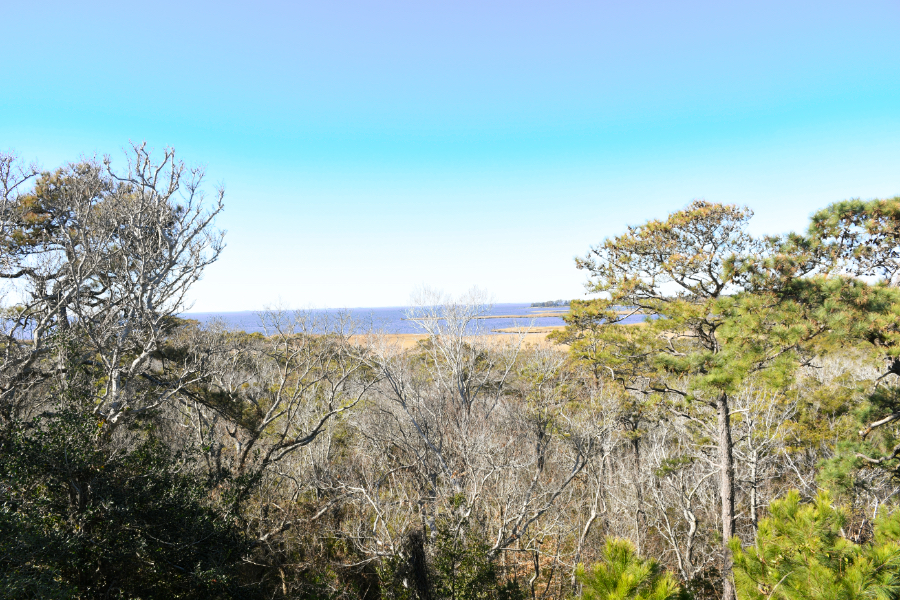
x=394 y=319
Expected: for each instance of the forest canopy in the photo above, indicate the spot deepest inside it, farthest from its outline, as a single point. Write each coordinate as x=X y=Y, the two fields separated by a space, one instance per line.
x=740 y=442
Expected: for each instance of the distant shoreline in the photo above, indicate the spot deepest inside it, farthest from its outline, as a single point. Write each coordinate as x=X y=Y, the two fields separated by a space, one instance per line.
x=391 y=320
x=541 y=315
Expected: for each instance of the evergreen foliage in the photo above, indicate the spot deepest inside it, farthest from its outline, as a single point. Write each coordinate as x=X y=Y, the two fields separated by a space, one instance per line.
x=801 y=553
x=82 y=516
x=623 y=575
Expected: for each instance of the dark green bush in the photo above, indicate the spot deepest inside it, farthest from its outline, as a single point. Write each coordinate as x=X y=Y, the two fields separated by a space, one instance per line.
x=85 y=517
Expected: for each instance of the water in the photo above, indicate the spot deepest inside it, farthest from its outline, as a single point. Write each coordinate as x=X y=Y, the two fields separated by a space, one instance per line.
x=393 y=319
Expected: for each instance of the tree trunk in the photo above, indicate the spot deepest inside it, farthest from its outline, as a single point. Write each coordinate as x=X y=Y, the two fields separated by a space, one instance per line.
x=726 y=487
x=754 y=518
x=639 y=525
x=62 y=352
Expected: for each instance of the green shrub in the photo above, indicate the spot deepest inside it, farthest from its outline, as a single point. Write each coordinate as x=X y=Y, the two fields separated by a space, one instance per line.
x=623 y=575
x=82 y=517
x=801 y=554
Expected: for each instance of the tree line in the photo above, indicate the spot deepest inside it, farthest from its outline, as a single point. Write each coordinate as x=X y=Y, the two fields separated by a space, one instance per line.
x=741 y=442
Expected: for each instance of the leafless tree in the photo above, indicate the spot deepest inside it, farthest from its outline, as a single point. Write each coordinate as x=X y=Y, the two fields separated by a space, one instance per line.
x=102 y=257
x=466 y=428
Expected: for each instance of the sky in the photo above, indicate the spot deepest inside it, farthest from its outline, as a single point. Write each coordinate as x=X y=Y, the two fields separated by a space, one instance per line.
x=370 y=148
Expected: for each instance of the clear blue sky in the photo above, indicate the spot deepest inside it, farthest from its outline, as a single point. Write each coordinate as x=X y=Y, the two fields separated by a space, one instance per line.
x=370 y=147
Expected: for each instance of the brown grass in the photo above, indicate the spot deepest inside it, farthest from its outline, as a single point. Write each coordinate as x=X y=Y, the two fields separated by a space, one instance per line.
x=536 y=336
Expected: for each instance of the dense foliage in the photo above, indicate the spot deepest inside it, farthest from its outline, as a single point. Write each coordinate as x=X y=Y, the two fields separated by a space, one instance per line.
x=622 y=575
x=85 y=516
x=802 y=554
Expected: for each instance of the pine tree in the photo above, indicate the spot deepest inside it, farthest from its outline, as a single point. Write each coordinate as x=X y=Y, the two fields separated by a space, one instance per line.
x=623 y=575
x=802 y=554
x=721 y=309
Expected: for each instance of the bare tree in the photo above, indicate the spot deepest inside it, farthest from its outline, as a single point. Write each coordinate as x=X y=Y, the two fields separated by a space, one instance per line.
x=467 y=431
x=103 y=258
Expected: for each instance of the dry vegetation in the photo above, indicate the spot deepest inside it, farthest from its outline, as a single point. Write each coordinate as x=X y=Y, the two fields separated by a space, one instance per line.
x=145 y=456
